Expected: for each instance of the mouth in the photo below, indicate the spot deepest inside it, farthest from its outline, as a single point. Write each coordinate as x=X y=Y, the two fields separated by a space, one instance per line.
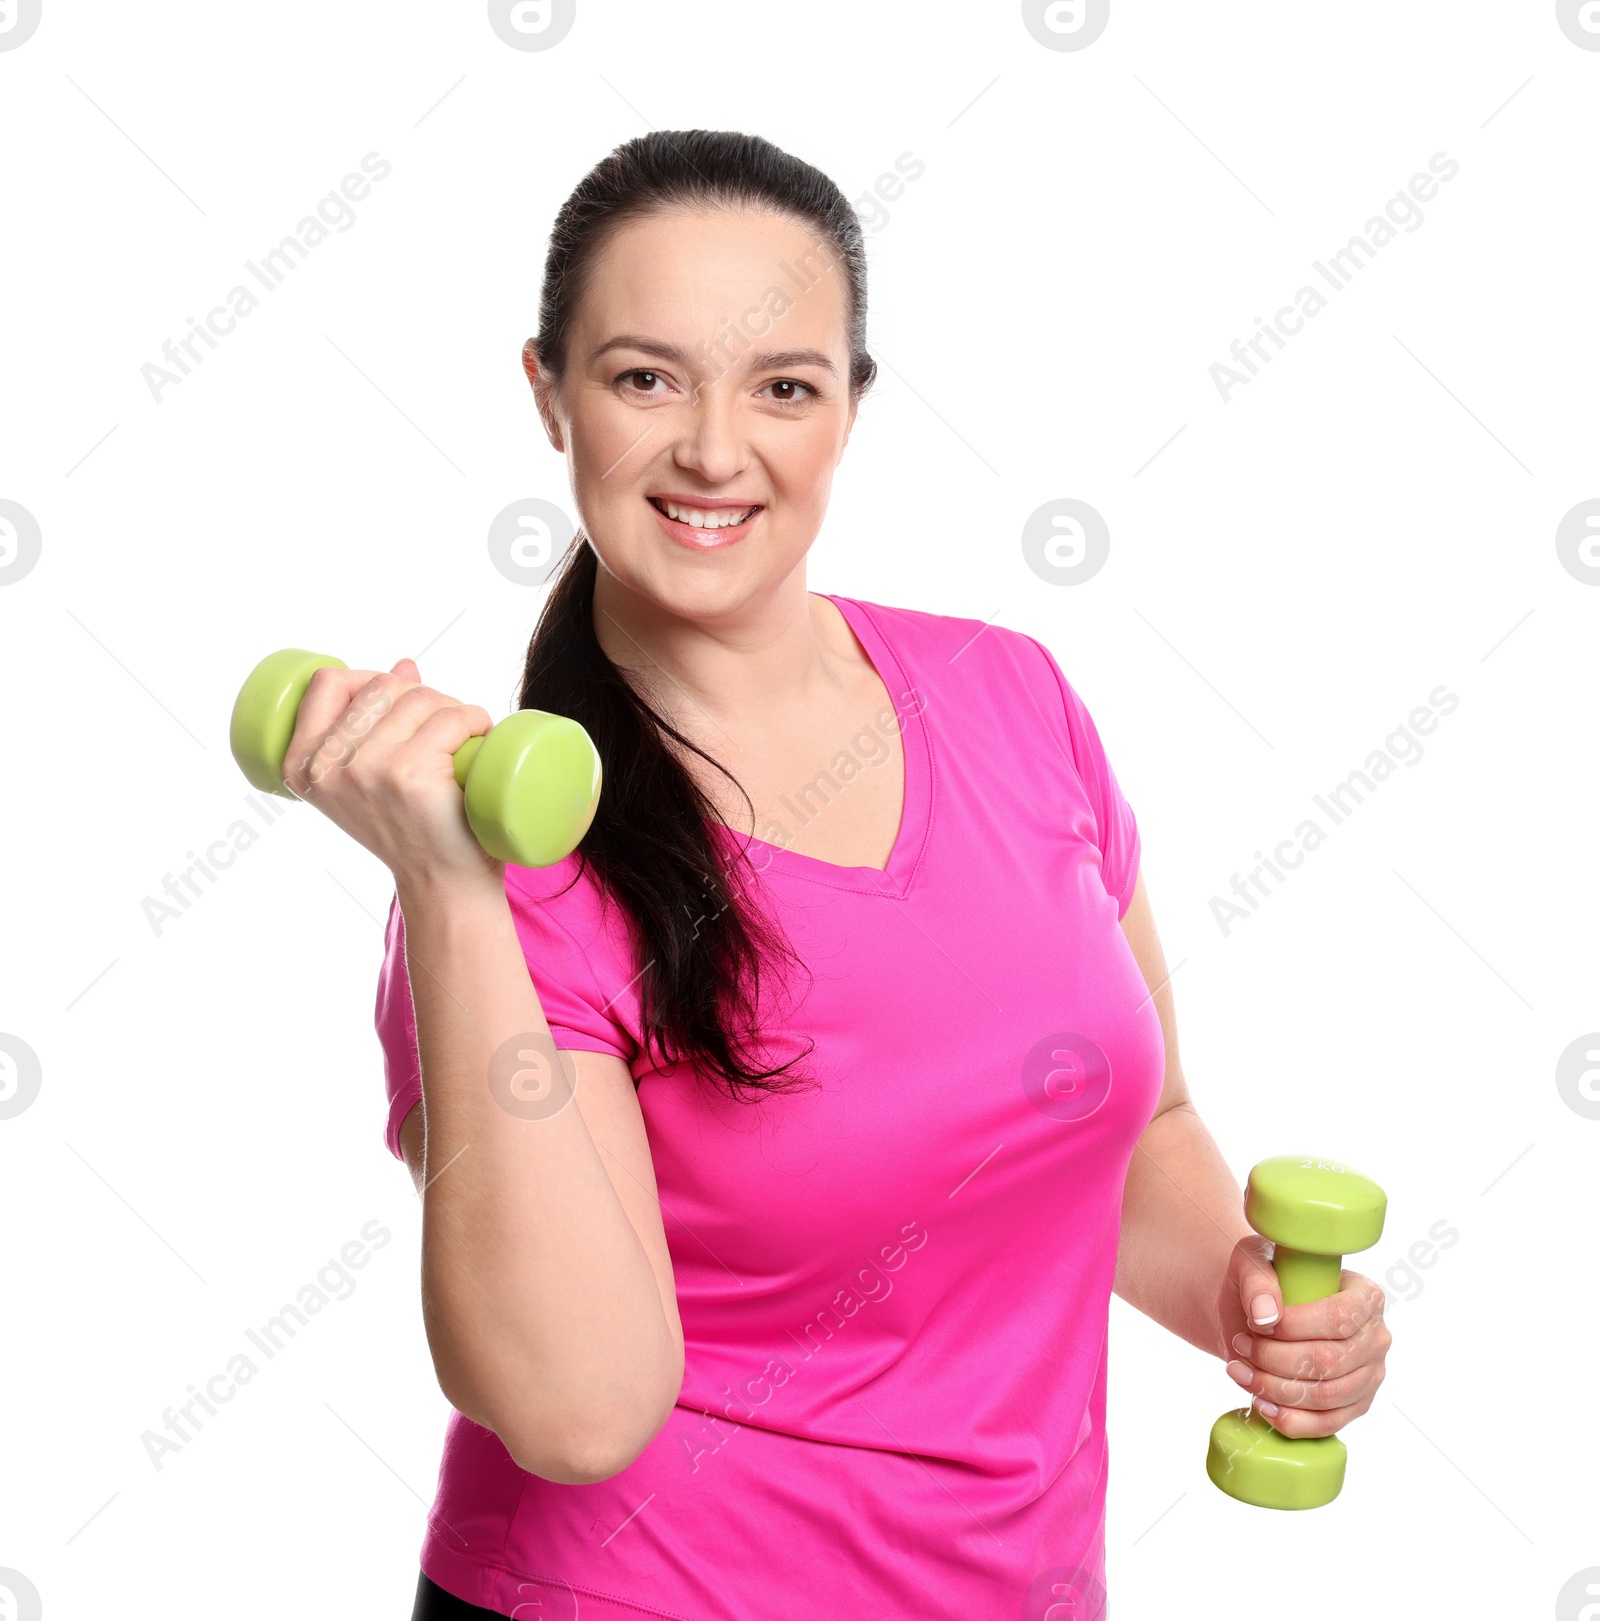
x=704 y=527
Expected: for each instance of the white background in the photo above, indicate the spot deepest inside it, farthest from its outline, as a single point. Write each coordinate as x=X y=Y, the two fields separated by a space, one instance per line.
x=1289 y=577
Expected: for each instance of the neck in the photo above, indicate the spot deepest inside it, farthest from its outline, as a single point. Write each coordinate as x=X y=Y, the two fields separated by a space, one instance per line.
x=771 y=654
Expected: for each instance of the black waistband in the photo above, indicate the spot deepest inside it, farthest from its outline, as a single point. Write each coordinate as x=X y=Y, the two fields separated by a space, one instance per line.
x=434 y=1604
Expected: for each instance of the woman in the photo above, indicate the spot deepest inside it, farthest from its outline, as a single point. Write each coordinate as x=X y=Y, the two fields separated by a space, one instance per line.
x=781 y=1147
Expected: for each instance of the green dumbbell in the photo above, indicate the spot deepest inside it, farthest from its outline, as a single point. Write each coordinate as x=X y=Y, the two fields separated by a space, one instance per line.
x=1316 y=1212
x=531 y=784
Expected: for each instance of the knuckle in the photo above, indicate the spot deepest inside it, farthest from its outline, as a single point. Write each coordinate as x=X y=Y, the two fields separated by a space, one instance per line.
x=423 y=700
x=383 y=689
x=1306 y=1364
x=371 y=701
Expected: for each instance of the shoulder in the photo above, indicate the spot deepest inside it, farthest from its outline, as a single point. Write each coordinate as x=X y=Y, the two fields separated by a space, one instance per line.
x=981 y=670
x=952 y=649
x=564 y=905
x=917 y=631
x=578 y=946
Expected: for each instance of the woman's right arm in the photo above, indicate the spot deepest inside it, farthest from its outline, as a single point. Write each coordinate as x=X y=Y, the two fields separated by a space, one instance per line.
x=546 y=1284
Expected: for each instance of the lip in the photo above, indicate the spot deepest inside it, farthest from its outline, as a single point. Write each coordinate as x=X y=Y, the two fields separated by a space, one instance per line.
x=704 y=540
x=705 y=503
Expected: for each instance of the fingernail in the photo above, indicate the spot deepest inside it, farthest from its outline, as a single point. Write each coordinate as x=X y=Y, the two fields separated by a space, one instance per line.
x=1239 y=1372
x=1267 y=1409
x=1263 y=1310
x=1241 y=1343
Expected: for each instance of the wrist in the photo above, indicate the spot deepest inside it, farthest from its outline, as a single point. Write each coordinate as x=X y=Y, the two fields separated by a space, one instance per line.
x=428 y=893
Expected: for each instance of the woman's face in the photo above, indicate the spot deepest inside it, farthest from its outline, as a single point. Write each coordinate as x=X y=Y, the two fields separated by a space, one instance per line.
x=708 y=369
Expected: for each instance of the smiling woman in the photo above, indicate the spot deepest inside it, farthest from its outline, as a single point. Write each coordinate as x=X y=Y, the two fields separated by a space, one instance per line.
x=775 y=1183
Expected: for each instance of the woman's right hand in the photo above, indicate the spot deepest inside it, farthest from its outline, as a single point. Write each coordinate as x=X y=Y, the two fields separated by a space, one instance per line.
x=373 y=752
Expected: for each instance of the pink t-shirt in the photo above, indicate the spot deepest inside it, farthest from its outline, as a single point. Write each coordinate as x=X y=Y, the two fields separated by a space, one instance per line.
x=894 y=1288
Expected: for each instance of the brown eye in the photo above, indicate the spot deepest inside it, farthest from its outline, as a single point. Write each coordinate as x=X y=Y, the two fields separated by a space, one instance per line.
x=793 y=398
x=642 y=381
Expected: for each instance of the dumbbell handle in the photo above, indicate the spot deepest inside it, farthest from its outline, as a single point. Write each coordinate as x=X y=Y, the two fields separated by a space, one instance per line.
x=1303 y=1277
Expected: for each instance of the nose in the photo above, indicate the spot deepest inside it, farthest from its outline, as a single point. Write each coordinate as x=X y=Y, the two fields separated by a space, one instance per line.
x=712 y=443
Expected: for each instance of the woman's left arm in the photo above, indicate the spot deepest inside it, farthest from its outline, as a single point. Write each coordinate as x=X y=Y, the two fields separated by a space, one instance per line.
x=1189 y=1259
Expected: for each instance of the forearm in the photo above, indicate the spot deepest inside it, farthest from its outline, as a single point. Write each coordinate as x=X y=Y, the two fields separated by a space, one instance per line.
x=1181 y=1217
x=542 y=1310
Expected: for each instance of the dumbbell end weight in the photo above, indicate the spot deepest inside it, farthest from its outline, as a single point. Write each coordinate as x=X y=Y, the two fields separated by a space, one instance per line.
x=1252 y=1463
x=1316 y=1212
x=264 y=714
x=531 y=785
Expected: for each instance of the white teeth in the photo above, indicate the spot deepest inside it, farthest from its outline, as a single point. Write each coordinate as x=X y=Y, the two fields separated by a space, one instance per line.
x=699 y=519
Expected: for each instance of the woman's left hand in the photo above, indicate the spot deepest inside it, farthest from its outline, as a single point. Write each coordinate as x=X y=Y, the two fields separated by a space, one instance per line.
x=1310 y=1368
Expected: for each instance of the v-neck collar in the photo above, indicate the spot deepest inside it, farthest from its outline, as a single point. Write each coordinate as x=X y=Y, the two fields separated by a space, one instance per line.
x=916 y=809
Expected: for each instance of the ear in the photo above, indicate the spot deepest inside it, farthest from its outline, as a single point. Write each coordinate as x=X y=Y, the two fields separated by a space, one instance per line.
x=849 y=424
x=543 y=388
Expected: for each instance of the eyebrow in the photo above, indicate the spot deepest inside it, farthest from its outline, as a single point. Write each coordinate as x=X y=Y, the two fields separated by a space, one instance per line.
x=760 y=360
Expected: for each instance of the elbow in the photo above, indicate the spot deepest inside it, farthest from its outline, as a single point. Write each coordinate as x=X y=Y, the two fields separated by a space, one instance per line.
x=574 y=1437
x=572 y=1456
x=601 y=1434
x=579 y=1464
x=587 y=1454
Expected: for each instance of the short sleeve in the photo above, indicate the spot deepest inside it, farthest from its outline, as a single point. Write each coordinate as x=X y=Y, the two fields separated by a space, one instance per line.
x=576 y=950
x=571 y=948
x=1114 y=819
